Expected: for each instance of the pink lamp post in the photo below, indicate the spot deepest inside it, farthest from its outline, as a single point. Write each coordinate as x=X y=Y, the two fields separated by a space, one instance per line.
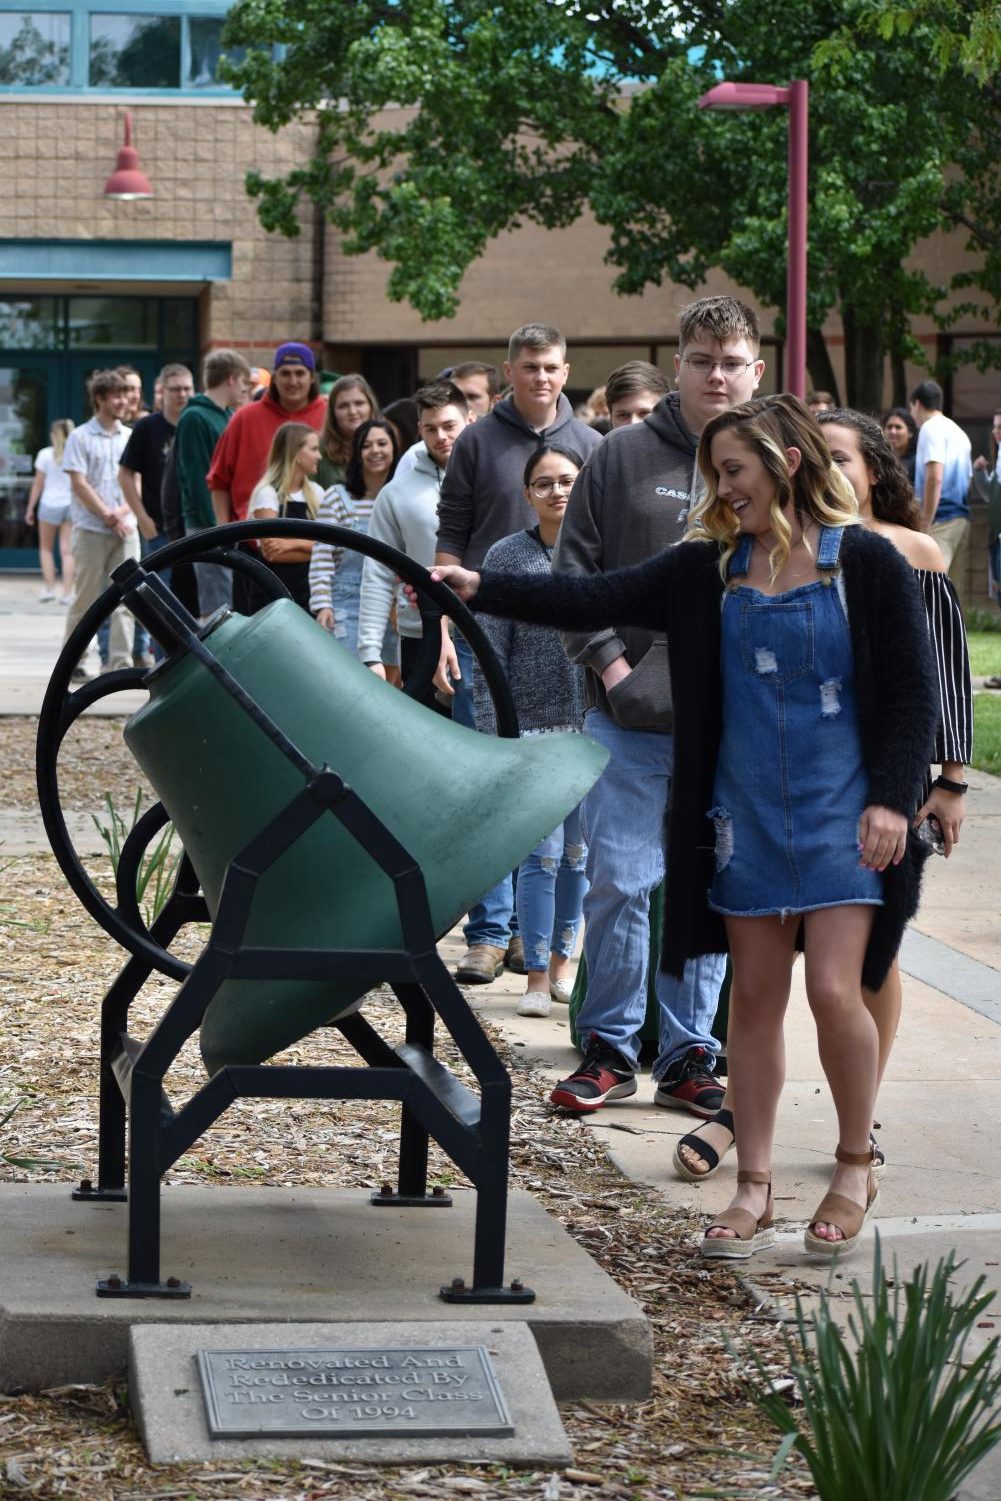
x=796 y=97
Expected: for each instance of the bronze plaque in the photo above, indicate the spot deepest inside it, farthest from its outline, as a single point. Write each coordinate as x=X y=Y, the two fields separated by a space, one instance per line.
x=352 y=1393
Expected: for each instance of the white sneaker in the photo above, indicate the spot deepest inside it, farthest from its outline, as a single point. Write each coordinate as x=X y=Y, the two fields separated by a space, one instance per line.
x=46 y=596
x=534 y=1003
x=561 y=990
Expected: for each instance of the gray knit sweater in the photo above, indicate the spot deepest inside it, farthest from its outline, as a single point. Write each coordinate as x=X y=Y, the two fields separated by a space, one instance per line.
x=548 y=690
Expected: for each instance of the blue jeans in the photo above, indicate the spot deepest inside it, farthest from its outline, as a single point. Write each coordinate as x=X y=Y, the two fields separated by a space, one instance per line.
x=623 y=823
x=463 y=706
x=151 y=545
x=493 y=919
x=551 y=887
x=214 y=580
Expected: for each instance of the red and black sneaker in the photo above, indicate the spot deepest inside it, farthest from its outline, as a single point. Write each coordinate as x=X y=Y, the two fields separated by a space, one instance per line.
x=603 y=1075
x=690 y=1084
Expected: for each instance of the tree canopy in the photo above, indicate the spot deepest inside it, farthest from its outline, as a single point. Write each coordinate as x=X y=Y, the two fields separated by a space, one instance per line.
x=441 y=123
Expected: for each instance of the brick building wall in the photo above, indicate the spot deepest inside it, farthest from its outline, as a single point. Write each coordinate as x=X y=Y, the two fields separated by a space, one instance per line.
x=58 y=156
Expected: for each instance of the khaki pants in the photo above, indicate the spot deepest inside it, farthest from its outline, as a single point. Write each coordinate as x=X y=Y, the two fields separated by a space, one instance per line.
x=953 y=537
x=95 y=555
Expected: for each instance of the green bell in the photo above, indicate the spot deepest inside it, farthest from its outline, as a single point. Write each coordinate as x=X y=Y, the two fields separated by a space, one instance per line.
x=467 y=807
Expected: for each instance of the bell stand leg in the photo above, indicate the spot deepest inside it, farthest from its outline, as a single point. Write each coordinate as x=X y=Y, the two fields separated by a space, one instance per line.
x=111 y=1102
x=145 y=1090
x=143 y=1279
x=114 y=1022
x=490 y=1176
x=412 y=1180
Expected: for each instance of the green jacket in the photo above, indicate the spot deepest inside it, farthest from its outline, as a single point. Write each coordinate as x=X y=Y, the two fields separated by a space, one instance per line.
x=200 y=427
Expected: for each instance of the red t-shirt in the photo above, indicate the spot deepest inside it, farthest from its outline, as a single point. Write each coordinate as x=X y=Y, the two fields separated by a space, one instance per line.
x=241 y=455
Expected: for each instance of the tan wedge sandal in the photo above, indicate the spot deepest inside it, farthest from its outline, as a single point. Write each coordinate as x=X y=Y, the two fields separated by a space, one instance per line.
x=836 y=1209
x=749 y=1234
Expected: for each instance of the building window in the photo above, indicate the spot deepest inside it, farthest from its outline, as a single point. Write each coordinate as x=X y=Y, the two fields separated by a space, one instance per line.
x=204 y=52
x=112 y=323
x=135 y=52
x=149 y=45
x=28 y=323
x=34 y=49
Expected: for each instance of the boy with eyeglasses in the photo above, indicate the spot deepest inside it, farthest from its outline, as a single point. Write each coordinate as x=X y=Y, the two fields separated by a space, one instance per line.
x=629 y=503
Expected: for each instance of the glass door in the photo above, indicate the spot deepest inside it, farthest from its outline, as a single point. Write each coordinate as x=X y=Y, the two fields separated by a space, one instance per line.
x=27 y=384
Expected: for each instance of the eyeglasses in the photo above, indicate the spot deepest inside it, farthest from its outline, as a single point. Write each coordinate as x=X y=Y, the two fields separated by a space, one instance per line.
x=703 y=365
x=544 y=487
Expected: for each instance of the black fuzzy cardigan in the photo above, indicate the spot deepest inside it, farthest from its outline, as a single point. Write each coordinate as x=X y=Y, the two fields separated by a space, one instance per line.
x=680 y=592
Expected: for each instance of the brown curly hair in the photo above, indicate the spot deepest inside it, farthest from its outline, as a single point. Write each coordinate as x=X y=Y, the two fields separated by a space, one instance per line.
x=891 y=496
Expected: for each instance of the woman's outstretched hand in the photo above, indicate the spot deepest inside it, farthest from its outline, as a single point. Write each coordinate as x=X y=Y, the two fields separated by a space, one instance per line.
x=461 y=581
x=882 y=837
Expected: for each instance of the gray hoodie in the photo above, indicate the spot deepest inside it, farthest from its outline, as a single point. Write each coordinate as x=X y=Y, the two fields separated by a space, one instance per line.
x=481 y=495
x=405 y=516
x=630 y=502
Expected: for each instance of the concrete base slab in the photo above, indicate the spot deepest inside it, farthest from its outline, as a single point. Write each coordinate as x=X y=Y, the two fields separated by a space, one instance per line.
x=298 y=1256
x=167 y=1402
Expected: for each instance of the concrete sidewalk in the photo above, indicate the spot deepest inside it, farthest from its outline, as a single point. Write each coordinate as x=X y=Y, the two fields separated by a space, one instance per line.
x=31 y=636
x=940 y=1104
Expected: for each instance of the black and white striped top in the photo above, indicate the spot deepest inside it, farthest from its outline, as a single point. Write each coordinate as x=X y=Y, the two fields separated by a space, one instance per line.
x=954 y=739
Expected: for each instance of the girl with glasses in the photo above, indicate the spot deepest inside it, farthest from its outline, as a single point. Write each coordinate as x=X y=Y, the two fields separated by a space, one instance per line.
x=548 y=693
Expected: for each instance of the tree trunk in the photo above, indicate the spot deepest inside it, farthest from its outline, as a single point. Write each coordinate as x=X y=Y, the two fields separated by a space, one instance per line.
x=818 y=362
x=896 y=336
x=864 y=357
x=898 y=373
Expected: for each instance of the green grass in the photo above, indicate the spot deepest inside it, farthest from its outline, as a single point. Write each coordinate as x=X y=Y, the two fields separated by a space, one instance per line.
x=985 y=653
x=987 y=733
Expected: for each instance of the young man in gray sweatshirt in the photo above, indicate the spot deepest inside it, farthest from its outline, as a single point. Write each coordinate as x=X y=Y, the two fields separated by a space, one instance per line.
x=482 y=501
x=629 y=503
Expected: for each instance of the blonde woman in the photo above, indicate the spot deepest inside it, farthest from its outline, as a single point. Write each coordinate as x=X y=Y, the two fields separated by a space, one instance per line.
x=51 y=495
x=288 y=491
x=801 y=738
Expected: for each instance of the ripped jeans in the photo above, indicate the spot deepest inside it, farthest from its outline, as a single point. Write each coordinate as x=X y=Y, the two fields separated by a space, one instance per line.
x=550 y=894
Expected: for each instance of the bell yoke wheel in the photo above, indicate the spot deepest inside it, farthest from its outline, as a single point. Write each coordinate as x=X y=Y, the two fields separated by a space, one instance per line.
x=138 y=586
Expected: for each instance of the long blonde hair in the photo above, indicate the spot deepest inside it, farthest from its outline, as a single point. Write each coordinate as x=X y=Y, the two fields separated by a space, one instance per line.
x=59 y=432
x=817 y=490
x=280 y=471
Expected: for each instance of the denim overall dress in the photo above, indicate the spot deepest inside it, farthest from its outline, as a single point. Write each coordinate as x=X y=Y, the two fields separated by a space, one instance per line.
x=345 y=590
x=790 y=780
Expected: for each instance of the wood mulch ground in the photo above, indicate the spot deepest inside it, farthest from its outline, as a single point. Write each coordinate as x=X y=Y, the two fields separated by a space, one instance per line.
x=698 y=1435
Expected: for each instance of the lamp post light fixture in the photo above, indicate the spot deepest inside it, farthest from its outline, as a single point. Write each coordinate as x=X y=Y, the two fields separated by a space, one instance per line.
x=128 y=179
x=796 y=99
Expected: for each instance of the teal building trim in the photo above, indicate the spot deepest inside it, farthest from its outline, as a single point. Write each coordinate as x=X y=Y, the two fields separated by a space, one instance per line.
x=116 y=260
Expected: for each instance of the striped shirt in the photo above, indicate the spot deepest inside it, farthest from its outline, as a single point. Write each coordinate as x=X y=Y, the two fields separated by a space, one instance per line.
x=954 y=738
x=342 y=509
